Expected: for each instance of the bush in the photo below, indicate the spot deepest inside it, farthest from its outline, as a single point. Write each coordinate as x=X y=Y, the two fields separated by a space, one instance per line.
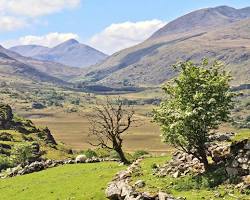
x=140 y=153
x=209 y=179
x=114 y=154
x=22 y=153
x=5 y=162
x=90 y=153
x=102 y=153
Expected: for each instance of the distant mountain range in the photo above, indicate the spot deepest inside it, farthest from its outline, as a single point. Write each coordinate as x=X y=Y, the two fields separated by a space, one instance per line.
x=71 y=53
x=28 y=68
x=13 y=69
x=221 y=33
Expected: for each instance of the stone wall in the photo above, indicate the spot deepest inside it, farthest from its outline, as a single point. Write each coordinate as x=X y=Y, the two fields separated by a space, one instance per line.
x=120 y=189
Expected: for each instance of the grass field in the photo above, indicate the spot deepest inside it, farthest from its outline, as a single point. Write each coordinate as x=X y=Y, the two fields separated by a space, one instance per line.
x=69 y=182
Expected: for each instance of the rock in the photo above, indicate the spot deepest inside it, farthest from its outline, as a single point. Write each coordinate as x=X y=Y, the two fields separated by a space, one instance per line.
x=176 y=174
x=232 y=172
x=126 y=190
x=163 y=196
x=140 y=183
x=247 y=145
x=80 y=159
x=113 y=192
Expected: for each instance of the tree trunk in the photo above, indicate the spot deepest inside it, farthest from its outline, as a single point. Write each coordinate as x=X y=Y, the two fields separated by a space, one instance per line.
x=121 y=155
x=203 y=159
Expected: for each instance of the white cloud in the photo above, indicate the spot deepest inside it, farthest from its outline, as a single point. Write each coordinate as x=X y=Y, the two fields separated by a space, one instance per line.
x=16 y=13
x=119 y=36
x=33 y=8
x=38 y=7
x=49 y=40
x=11 y=23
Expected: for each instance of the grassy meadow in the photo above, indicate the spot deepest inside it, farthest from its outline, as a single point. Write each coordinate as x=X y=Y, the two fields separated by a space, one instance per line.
x=68 y=182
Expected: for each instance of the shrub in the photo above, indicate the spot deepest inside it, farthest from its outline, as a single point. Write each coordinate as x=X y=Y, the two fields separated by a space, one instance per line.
x=22 y=153
x=139 y=153
x=209 y=179
x=5 y=162
x=90 y=153
x=102 y=153
x=114 y=154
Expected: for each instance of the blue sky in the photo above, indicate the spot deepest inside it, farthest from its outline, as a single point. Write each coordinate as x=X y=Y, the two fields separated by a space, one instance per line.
x=29 y=21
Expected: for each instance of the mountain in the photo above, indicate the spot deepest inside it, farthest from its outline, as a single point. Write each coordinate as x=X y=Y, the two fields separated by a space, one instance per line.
x=57 y=70
x=204 y=19
x=29 y=50
x=191 y=37
x=71 y=53
x=12 y=69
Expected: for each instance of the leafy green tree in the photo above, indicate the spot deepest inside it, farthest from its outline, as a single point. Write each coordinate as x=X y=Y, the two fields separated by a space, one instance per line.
x=199 y=100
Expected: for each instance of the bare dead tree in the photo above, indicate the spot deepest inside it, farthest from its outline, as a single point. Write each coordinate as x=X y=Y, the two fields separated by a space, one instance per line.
x=108 y=123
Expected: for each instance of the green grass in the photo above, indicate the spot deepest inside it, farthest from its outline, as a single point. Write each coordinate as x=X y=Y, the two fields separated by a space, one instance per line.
x=242 y=134
x=182 y=187
x=69 y=182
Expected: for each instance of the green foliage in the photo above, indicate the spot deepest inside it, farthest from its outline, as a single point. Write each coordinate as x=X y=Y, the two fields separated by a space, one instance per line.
x=90 y=153
x=22 y=152
x=140 y=153
x=198 y=100
x=102 y=153
x=114 y=154
x=5 y=114
x=207 y=180
x=5 y=162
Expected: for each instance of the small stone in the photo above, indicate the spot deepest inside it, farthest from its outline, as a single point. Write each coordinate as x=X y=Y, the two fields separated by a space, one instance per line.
x=140 y=183
x=176 y=174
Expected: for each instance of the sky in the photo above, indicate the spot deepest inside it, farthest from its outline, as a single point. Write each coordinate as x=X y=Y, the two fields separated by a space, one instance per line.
x=108 y=25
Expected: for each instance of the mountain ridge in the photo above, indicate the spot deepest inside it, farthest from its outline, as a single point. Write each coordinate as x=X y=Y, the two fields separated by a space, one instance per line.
x=70 y=53
x=149 y=63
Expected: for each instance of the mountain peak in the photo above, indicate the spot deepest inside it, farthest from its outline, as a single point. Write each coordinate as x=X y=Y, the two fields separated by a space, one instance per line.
x=71 y=42
x=203 y=19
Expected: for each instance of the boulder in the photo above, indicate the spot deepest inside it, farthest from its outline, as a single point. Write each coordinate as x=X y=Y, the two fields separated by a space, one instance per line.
x=113 y=192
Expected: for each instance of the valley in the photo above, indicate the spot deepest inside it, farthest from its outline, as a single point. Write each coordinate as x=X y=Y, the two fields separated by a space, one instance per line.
x=164 y=118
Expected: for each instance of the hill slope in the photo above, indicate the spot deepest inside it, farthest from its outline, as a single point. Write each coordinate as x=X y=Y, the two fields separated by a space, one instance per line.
x=204 y=19
x=13 y=69
x=29 y=50
x=70 y=53
x=149 y=63
x=52 y=69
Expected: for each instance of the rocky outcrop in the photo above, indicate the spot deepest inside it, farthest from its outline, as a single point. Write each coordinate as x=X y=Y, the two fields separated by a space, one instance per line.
x=120 y=188
x=46 y=135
